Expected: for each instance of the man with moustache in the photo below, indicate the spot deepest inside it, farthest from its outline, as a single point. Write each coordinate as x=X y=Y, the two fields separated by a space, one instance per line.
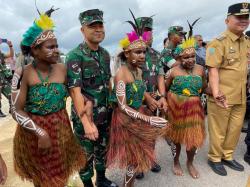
x=88 y=80
x=226 y=59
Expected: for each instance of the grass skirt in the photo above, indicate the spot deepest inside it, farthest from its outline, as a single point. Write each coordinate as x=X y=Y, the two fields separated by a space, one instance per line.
x=186 y=115
x=132 y=141
x=64 y=157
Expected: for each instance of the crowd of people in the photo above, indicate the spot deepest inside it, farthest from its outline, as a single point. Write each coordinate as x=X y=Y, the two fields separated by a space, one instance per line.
x=119 y=110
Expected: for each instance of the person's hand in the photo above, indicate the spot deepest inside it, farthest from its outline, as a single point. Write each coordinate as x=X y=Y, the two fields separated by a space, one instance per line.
x=162 y=103
x=152 y=104
x=220 y=100
x=157 y=121
x=44 y=142
x=9 y=43
x=3 y=171
x=91 y=131
x=153 y=94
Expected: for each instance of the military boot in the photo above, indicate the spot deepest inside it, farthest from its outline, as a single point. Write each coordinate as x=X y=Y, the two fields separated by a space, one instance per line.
x=102 y=181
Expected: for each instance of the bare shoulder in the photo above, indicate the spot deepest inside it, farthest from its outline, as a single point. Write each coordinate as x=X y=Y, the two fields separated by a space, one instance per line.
x=60 y=66
x=121 y=71
x=27 y=69
x=199 y=67
x=199 y=70
x=174 y=70
x=25 y=72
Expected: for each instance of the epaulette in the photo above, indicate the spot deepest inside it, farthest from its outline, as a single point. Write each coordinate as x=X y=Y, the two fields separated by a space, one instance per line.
x=221 y=37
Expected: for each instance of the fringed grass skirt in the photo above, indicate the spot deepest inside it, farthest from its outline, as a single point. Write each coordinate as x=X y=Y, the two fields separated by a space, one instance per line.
x=132 y=142
x=64 y=157
x=186 y=115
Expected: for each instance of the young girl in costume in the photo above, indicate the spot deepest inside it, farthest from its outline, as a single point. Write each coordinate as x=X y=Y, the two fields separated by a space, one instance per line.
x=45 y=149
x=133 y=131
x=184 y=84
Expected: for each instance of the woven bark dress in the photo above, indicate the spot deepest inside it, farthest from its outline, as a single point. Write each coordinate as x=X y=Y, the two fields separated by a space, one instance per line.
x=45 y=105
x=185 y=112
x=132 y=140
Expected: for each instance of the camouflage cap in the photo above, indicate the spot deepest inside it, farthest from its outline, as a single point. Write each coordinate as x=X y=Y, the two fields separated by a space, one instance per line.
x=239 y=9
x=176 y=30
x=147 y=21
x=90 y=16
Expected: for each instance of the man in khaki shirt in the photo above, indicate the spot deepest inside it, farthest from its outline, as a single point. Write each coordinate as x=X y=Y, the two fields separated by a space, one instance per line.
x=226 y=58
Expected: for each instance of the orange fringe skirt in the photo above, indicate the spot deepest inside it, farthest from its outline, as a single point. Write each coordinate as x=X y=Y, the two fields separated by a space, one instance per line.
x=186 y=115
x=132 y=141
x=64 y=157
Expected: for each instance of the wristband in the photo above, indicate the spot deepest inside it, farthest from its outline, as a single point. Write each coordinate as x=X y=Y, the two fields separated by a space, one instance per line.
x=162 y=95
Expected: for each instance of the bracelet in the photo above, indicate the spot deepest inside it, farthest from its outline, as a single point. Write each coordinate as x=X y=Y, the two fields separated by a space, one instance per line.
x=162 y=95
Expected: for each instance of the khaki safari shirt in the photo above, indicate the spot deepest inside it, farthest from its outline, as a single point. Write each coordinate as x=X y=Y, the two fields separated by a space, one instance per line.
x=228 y=53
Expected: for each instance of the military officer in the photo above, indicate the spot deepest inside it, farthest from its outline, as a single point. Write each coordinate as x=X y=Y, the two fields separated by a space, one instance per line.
x=175 y=37
x=88 y=79
x=226 y=58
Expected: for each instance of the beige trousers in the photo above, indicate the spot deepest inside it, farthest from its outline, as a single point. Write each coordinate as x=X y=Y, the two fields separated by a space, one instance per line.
x=224 y=127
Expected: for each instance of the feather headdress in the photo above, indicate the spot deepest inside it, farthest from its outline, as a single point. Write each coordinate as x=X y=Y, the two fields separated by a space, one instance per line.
x=189 y=44
x=41 y=30
x=136 y=38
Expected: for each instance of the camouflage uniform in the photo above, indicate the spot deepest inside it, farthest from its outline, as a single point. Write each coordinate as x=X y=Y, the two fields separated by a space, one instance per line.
x=90 y=70
x=167 y=58
x=5 y=80
x=151 y=68
x=167 y=55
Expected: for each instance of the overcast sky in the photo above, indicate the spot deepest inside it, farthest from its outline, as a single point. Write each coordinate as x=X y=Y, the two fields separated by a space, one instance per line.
x=17 y=15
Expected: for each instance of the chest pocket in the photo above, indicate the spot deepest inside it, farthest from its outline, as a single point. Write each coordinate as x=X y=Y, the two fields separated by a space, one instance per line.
x=91 y=76
x=233 y=59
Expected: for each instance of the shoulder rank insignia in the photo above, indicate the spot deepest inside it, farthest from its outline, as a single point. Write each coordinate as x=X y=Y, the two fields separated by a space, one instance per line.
x=221 y=37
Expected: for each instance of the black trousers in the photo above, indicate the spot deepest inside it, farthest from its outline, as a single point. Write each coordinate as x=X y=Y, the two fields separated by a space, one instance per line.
x=247 y=139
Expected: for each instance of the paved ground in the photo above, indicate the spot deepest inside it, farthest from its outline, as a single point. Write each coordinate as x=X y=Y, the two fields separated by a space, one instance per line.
x=164 y=179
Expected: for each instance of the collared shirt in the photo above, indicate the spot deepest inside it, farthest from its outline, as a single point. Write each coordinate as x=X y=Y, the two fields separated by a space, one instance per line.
x=90 y=70
x=201 y=55
x=228 y=53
